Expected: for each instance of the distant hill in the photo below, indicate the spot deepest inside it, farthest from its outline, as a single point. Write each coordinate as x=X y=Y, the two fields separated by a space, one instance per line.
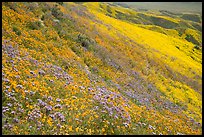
x=171 y=6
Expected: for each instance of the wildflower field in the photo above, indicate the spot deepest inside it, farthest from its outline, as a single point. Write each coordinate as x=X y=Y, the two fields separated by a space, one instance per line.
x=99 y=68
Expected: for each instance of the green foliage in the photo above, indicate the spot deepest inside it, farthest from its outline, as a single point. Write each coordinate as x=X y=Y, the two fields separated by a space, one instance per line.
x=197 y=26
x=180 y=30
x=192 y=17
x=34 y=25
x=190 y=38
x=46 y=16
x=163 y=22
x=184 y=25
x=132 y=63
x=56 y=12
x=60 y=3
x=87 y=61
x=136 y=102
x=76 y=49
x=169 y=13
x=16 y=30
x=86 y=41
x=197 y=47
x=109 y=11
x=11 y=5
x=131 y=18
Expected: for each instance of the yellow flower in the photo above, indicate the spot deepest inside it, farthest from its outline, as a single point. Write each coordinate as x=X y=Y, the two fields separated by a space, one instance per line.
x=70 y=129
x=43 y=120
x=15 y=128
x=30 y=106
x=112 y=131
x=49 y=121
x=96 y=116
x=89 y=131
x=77 y=129
x=103 y=130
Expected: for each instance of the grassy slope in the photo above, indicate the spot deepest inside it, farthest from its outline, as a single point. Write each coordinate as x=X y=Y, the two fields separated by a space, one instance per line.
x=165 y=45
x=108 y=62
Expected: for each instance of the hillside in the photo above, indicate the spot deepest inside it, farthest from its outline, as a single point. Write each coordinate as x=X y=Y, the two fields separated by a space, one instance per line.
x=100 y=68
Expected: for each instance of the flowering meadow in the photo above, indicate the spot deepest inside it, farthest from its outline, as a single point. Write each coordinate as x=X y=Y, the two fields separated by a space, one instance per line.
x=99 y=69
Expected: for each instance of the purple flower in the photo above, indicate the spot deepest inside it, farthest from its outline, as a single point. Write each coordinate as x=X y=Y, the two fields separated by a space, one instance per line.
x=6 y=80
x=96 y=97
x=62 y=119
x=48 y=108
x=5 y=108
x=6 y=91
x=41 y=72
x=150 y=127
x=52 y=116
x=15 y=120
x=7 y=87
x=15 y=69
x=103 y=111
x=9 y=104
x=125 y=124
x=11 y=61
x=39 y=100
x=58 y=106
x=8 y=126
x=51 y=81
x=17 y=76
x=32 y=72
x=39 y=124
x=58 y=125
x=4 y=111
x=49 y=98
x=116 y=117
x=20 y=110
x=32 y=93
x=96 y=107
x=30 y=118
x=89 y=89
x=19 y=86
x=61 y=116
x=58 y=100
x=41 y=103
x=81 y=87
x=103 y=103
